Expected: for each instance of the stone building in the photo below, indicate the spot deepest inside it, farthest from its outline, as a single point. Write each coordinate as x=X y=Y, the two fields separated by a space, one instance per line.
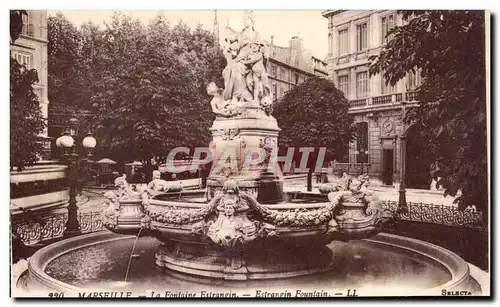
x=353 y=36
x=289 y=66
x=30 y=49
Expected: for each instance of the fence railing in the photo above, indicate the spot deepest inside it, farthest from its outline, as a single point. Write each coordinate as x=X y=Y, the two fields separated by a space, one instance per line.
x=438 y=214
x=351 y=168
x=52 y=227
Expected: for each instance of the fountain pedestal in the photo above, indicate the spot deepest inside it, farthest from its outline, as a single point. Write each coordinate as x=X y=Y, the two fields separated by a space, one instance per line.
x=258 y=262
x=242 y=150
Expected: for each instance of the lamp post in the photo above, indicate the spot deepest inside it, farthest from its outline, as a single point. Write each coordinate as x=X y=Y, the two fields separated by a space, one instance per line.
x=67 y=142
x=402 y=205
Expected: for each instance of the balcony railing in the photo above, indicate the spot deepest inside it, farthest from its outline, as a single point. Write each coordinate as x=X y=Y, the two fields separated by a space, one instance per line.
x=384 y=99
x=411 y=96
x=358 y=102
x=399 y=97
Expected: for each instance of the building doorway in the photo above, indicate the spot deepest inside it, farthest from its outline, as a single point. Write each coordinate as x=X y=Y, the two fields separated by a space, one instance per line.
x=418 y=160
x=388 y=166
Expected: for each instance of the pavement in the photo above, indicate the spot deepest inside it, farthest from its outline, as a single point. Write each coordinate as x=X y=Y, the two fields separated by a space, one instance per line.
x=385 y=193
x=392 y=194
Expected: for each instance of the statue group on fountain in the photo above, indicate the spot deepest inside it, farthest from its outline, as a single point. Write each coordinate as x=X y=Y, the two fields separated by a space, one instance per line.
x=245 y=76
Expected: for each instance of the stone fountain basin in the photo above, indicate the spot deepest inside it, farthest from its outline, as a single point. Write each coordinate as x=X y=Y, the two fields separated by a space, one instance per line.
x=385 y=264
x=129 y=221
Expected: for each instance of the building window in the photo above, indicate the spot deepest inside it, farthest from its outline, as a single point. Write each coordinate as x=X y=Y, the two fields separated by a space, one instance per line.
x=387 y=88
x=296 y=78
x=362 y=36
x=362 y=142
x=344 y=85
x=343 y=42
x=414 y=80
x=22 y=58
x=274 y=70
x=275 y=91
x=362 y=84
x=387 y=24
x=282 y=73
x=27 y=25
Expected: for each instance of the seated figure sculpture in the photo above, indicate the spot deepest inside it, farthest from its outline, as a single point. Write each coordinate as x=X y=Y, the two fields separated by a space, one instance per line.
x=221 y=107
x=158 y=185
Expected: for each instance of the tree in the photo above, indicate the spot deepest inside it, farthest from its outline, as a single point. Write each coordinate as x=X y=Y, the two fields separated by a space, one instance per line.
x=16 y=23
x=151 y=88
x=66 y=65
x=315 y=114
x=26 y=120
x=448 y=47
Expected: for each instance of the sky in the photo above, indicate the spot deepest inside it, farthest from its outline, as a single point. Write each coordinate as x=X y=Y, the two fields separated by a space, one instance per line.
x=309 y=25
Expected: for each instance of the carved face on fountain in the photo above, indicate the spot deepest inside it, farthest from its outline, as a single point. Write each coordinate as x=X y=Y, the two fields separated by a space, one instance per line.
x=229 y=207
x=231 y=191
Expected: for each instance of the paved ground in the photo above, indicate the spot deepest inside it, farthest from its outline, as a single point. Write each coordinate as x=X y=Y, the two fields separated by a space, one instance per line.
x=386 y=193
x=412 y=195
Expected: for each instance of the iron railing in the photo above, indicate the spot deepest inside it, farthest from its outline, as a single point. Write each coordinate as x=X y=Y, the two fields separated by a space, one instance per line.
x=438 y=214
x=51 y=227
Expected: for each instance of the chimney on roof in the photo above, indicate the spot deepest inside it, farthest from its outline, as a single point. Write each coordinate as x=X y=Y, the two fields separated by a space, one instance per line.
x=296 y=43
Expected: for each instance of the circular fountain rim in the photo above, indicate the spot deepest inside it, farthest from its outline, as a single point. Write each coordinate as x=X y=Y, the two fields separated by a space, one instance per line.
x=39 y=261
x=321 y=202
x=456 y=266
x=196 y=205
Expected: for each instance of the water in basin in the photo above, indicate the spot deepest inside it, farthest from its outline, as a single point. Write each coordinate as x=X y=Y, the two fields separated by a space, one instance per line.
x=357 y=265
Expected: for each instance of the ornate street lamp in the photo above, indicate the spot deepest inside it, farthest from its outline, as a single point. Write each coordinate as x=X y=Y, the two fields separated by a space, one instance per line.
x=402 y=205
x=67 y=142
x=73 y=125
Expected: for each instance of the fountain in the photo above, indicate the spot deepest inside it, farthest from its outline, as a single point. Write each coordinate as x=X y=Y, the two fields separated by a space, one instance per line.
x=248 y=233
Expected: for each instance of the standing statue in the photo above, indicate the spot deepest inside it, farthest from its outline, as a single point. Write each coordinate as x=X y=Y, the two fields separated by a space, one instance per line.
x=245 y=76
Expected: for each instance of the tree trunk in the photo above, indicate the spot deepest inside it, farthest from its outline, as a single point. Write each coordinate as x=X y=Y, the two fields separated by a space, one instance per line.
x=309 y=179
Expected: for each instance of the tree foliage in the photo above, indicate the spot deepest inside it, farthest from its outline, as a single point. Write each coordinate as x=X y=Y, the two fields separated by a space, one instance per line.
x=16 y=23
x=315 y=114
x=145 y=82
x=66 y=65
x=26 y=120
x=448 y=47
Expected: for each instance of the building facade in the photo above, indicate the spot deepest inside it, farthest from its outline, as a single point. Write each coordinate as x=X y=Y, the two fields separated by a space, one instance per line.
x=290 y=66
x=30 y=49
x=378 y=109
